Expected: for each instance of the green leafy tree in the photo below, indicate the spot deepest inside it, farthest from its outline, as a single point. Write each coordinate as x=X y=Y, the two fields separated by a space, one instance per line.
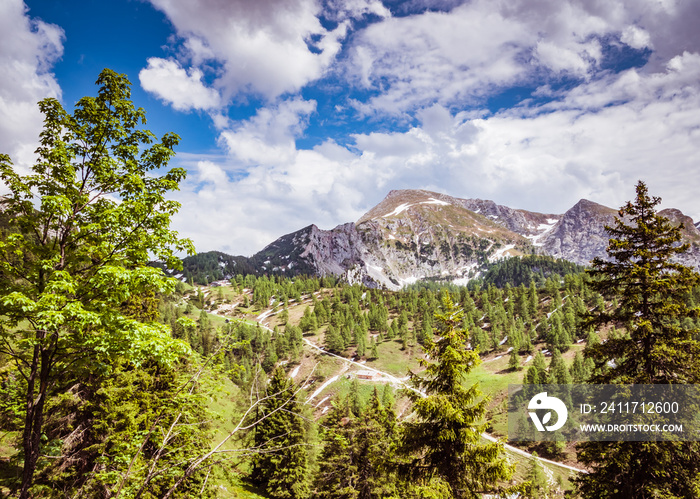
x=656 y=348
x=442 y=443
x=85 y=223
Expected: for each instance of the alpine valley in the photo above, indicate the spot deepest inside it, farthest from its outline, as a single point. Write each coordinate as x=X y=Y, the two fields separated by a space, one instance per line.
x=417 y=235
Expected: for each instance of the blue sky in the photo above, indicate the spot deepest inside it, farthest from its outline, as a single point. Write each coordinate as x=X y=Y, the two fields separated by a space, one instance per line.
x=294 y=112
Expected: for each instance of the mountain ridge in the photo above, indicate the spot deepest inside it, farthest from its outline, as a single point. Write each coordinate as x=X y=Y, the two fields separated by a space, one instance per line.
x=415 y=234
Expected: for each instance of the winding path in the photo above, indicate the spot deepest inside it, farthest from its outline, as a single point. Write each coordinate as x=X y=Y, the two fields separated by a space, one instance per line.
x=397 y=381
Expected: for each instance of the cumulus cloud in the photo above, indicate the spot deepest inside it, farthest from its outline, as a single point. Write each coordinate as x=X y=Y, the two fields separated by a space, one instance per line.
x=441 y=57
x=269 y=137
x=28 y=49
x=173 y=84
x=476 y=49
x=436 y=69
x=636 y=37
x=266 y=48
x=340 y=10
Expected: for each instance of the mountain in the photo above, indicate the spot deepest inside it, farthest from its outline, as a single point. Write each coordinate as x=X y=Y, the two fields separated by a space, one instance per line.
x=579 y=235
x=417 y=234
x=410 y=235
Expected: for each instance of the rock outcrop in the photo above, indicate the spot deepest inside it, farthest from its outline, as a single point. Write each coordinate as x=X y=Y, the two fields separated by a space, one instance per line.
x=580 y=235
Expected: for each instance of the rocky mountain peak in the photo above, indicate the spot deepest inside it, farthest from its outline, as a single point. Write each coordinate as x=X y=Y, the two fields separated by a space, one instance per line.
x=415 y=234
x=580 y=235
x=690 y=229
x=398 y=201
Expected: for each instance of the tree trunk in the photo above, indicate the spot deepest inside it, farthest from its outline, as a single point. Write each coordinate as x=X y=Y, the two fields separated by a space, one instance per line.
x=34 y=418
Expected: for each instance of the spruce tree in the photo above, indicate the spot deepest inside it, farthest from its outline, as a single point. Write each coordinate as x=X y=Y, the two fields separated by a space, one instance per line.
x=281 y=463
x=442 y=443
x=537 y=481
x=374 y=354
x=514 y=361
x=357 y=451
x=388 y=398
x=578 y=369
x=537 y=372
x=333 y=341
x=650 y=288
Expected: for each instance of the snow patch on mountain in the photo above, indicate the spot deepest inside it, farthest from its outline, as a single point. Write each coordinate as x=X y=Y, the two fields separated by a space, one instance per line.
x=404 y=206
x=541 y=232
x=499 y=253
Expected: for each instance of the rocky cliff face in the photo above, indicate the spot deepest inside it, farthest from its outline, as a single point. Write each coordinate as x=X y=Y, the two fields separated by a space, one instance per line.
x=416 y=234
x=410 y=235
x=691 y=235
x=579 y=235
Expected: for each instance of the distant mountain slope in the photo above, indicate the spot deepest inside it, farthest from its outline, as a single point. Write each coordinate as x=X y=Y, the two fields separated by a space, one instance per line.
x=417 y=234
x=410 y=235
x=579 y=235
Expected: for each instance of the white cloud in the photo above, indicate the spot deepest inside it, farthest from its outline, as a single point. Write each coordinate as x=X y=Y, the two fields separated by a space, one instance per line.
x=437 y=56
x=28 y=49
x=435 y=69
x=173 y=84
x=481 y=47
x=636 y=37
x=269 y=136
x=561 y=59
x=340 y=10
x=267 y=48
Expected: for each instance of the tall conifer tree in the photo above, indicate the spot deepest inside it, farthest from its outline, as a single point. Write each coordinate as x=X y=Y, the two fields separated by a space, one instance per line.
x=651 y=290
x=281 y=464
x=443 y=442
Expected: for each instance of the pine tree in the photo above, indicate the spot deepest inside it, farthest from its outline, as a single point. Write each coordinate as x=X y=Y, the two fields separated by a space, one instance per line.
x=356 y=453
x=354 y=399
x=537 y=372
x=558 y=372
x=281 y=464
x=532 y=299
x=361 y=341
x=537 y=486
x=650 y=288
x=514 y=361
x=443 y=440
x=333 y=341
x=579 y=373
x=374 y=354
x=388 y=398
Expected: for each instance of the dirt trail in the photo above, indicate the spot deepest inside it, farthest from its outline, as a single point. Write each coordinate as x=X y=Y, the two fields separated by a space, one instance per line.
x=396 y=381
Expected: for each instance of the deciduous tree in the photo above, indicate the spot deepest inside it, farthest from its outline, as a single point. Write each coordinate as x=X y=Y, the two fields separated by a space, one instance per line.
x=85 y=223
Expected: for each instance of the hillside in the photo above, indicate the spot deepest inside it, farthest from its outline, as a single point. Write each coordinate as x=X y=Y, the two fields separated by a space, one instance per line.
x=380 y=339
